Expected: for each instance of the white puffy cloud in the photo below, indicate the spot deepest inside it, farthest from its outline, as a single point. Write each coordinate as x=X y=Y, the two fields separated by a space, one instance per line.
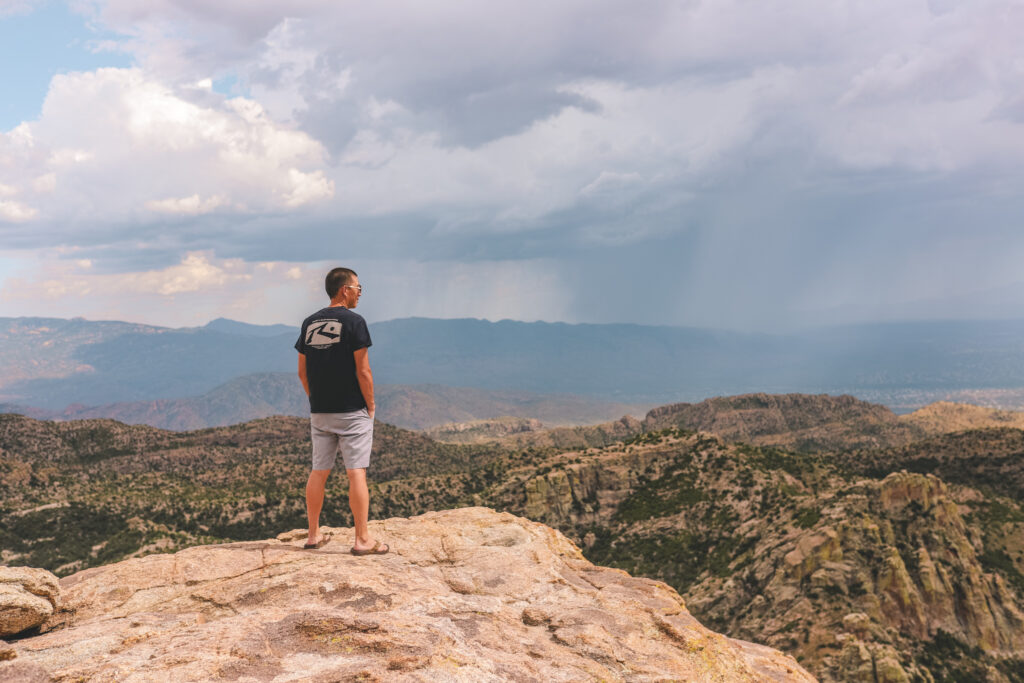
x=16 y=212
x=197 y=272
x=114 y=144
x=193 y=274
x=201 y=287
x=192 y=205
x=196 y=289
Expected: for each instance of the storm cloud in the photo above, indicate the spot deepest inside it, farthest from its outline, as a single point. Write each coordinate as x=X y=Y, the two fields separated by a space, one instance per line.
x=739 y=164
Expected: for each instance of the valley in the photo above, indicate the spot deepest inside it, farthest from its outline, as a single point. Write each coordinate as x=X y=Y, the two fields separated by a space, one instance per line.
x=857 y=540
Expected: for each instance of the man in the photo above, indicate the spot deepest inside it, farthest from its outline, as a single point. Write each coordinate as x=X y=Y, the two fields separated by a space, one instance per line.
x=335 y=371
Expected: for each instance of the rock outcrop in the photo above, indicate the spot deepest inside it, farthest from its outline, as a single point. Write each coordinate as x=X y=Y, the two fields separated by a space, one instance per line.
x=887 y=564
x=28 y=597
x=798 y=421
x=945 y=416
x=522 y=433
x=465 y=595
x=893 y=579
x=478 y=431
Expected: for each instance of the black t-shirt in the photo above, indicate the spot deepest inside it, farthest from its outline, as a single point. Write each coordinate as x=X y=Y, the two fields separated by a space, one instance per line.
x=328 y=339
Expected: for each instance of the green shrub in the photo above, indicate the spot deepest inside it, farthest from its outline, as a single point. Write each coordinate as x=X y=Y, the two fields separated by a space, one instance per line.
x=996 y=560
x=807 y=517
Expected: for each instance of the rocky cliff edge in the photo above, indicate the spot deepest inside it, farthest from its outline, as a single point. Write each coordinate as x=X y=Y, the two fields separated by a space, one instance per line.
x=465 y=595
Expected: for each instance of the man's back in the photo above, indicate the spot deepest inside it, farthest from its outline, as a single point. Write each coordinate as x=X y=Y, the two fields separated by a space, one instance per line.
x=328 y=340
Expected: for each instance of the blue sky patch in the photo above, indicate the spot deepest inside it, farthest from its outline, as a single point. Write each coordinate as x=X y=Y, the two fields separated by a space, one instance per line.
x=35 y=47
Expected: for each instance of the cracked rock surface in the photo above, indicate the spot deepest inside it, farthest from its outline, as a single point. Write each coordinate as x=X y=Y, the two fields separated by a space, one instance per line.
x=464 y=595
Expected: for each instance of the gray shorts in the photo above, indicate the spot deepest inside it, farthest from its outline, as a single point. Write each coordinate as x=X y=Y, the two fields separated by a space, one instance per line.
x=350 y=433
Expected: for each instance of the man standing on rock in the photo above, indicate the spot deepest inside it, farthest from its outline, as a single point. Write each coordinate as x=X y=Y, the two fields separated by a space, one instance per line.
x=334 y=367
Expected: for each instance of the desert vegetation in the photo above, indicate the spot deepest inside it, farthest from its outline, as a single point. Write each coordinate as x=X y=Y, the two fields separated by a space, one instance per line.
x=908 y=555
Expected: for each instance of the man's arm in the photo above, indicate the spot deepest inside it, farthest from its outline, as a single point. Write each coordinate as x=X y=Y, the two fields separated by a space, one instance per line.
x=365 y=378
x=302 y=373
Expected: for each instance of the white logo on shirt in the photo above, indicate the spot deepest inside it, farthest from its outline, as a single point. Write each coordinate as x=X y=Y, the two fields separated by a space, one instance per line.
x=323 y=333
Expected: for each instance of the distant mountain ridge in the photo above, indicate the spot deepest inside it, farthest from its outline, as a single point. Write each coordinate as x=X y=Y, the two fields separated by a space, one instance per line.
x=227 y=326
x=825 y=423
x=799 y=422
x=51 y=363
x=259 y=395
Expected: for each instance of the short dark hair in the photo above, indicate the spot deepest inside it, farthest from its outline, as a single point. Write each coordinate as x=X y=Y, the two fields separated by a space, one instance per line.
x=336 y=279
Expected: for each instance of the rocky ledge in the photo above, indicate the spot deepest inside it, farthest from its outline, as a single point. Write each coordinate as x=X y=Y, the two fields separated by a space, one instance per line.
x=465 y=595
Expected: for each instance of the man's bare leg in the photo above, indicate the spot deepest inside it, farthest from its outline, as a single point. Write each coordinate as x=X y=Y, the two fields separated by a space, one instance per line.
x=359 y=502
x=315 y=501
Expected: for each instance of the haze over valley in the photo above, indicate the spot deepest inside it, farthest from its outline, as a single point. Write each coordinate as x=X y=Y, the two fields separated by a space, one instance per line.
x=433 y=372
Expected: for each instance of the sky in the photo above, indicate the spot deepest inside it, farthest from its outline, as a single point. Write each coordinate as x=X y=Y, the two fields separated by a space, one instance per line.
x=744 y=164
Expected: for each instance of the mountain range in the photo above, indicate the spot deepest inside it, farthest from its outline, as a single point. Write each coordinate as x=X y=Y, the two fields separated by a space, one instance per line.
x=50 y=364
x=266 y=394
x=871 y=546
